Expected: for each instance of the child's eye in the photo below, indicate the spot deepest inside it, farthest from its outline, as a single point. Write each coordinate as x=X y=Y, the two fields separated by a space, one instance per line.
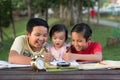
x=45 y=35
x=37 y=34
x=79 y=40
x=61 y=38
x=73 y=40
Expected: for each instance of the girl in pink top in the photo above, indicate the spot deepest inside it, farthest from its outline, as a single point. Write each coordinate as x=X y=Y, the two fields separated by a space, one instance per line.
x=58 y=36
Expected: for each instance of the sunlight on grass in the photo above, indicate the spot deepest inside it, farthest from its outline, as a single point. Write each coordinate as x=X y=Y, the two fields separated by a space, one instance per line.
x=101 y=33
x=112 y=52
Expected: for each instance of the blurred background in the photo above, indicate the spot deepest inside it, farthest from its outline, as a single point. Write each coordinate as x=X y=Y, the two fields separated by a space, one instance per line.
x=102 y=15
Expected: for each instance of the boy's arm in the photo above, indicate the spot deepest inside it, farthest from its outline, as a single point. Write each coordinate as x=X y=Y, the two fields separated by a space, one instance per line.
x=88 y=57
x=16 y=58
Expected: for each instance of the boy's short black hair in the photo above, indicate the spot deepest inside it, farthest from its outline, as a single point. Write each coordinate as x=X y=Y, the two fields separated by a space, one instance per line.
x=59 y=28
x=82 y=28
x=36 y=22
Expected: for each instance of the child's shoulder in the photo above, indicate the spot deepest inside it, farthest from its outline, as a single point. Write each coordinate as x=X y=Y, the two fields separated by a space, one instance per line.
x=94 y=43
x=21 y=36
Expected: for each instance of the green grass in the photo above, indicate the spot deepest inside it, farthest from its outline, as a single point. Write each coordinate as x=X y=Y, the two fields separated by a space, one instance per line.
x=112 y=52
x=100 y=34
x=4 y=49
x=20 y=27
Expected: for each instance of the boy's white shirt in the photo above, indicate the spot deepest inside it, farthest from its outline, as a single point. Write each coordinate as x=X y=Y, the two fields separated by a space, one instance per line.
x=22 y=47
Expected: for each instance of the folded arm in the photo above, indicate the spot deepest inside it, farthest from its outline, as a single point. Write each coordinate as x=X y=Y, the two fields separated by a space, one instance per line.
x=16 y=58
x=87 y=57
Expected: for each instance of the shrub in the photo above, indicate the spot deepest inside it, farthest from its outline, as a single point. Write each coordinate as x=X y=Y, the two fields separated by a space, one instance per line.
x=116 y=32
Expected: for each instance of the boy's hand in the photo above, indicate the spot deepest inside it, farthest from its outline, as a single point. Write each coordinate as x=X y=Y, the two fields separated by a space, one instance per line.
x=68 y=56
x=48 y=57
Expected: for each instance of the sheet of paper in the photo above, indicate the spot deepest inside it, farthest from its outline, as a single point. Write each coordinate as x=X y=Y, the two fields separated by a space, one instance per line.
x=111 y=63
x=86 y=66
x=105 y=64
x=72 y=63
x=5 y=64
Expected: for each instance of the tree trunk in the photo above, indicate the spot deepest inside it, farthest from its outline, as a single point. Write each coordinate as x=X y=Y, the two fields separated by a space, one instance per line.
x=46 y=10
x=0 y=31
x=29 y=8
x=12 y=21
x=61 y=11
x=75 y=11
x=1 y=37
x=98 y=13
x=88 y=3
x=65 y=13
x=71 y=12
x=80 y=4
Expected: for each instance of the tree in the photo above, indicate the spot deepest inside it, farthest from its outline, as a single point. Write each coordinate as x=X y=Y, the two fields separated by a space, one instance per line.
x=28 y=2
x=87 y=5
x=98 y=13
x=4 y=16
x=11 y=19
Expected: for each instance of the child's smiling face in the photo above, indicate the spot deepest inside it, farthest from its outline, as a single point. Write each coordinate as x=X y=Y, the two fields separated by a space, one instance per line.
x=78 y=41
x=37 y=37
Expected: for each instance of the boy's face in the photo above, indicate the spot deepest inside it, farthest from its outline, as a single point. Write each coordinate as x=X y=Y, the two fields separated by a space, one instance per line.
x=37 y=37
x=78 y=41
x=58 y=39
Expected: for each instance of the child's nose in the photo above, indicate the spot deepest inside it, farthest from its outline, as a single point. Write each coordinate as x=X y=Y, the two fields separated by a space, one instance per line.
x=75 y=43
x=41 y=38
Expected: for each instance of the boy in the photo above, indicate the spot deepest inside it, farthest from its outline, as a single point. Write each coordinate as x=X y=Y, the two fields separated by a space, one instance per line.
x=25 y=46
x=81 y=48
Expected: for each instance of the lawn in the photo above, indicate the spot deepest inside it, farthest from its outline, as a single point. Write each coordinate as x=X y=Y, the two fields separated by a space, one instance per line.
x=100 y=34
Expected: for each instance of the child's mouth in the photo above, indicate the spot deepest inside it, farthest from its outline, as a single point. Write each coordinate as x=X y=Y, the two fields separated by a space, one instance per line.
x=57 y=44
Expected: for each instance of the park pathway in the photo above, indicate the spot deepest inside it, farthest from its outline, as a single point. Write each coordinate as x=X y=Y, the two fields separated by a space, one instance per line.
x=108 y=23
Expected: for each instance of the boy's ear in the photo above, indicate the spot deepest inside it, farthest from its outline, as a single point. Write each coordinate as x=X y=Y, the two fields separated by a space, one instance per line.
x=27 y=33
x=89 y=38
